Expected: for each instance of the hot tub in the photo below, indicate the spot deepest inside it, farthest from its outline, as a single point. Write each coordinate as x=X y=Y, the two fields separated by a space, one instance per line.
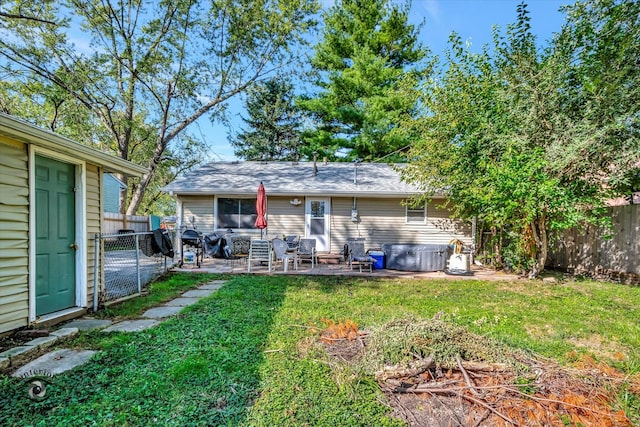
x=416 y=257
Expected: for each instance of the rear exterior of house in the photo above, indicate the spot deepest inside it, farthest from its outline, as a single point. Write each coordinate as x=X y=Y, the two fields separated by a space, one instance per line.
x=330 y=202
x=50 y=210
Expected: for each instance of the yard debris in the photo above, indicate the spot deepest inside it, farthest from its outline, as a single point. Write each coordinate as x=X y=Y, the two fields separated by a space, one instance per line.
x=343 y=330
x=436 y=373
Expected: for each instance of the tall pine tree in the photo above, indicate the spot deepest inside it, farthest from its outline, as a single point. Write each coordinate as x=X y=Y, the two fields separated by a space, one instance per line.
x=368 y=64
x=272 y=125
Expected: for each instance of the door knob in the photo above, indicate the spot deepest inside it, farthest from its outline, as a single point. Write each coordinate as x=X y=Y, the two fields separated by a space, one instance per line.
x=74 y=246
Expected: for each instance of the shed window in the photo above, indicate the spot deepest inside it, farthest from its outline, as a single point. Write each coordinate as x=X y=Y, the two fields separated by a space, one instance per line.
x=417 y=214
x=236 y=213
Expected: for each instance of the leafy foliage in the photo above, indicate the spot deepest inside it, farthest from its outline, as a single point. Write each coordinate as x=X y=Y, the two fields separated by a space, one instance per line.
x=368 y=64
x=512 y=135
x=143 y=73
x=272 y=126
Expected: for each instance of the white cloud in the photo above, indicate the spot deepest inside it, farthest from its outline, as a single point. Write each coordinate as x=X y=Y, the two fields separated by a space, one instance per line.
x=430 y=8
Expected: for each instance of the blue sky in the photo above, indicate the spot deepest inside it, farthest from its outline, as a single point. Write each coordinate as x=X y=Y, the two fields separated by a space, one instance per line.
x=472 y=19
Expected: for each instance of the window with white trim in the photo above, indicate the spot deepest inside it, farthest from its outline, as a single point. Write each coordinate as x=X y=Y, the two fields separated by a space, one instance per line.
x=416 y=213
x=236 y=213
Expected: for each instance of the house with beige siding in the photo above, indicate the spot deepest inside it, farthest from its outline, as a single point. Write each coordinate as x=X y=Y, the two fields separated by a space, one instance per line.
x=330 y=202
x=50 y=211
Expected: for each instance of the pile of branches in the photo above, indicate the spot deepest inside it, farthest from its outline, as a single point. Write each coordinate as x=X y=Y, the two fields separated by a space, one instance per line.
x=448 y=365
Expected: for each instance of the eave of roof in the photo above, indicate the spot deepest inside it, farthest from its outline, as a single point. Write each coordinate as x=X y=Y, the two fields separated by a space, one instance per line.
x=22 y=131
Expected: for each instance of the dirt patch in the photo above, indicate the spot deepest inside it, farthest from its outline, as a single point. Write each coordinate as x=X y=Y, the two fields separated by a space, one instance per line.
x=596 y=345
x=438 y=374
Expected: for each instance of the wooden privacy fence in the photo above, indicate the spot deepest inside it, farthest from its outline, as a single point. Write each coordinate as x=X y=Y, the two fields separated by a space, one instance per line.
x=588 y=250
x=114 y=222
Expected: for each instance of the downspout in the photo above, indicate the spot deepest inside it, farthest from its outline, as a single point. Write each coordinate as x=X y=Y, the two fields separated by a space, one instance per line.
x=96 y=263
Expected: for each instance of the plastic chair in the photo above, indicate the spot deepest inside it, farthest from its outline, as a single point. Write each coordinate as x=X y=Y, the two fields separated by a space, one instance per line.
x=259 y=251
x=292 y=242
x=307 y=251
x=280 y=249
x=358 y=254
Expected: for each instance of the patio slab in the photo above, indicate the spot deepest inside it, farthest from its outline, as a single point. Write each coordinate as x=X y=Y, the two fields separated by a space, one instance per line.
x=161 y=312
x=181 y=302
x=88 y=324
x=198 y=293
x=132 y=325
x=56 y=362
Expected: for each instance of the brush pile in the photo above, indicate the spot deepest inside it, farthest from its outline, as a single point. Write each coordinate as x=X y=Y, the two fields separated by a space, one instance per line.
x=436 y=373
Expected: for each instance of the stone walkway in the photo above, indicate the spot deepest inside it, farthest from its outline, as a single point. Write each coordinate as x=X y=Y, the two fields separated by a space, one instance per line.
x=61 y=360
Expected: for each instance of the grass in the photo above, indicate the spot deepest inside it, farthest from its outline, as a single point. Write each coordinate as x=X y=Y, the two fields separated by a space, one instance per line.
x=248 y=354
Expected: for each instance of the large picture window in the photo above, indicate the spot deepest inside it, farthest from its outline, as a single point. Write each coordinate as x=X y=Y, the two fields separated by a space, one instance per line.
x=236 y=213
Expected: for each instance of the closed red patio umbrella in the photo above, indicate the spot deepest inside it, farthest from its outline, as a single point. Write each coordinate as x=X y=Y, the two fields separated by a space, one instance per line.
x=261 y=209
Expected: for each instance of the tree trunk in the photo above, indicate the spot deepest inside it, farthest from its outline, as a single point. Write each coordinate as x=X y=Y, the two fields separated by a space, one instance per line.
x=539 y=231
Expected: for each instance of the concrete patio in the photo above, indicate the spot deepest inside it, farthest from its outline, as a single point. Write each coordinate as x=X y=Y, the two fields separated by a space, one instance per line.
x=335 y=267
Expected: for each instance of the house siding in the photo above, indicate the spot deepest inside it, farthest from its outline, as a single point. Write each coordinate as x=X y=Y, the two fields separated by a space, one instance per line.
x=381 y=220
x=111 y=194
x=14 y=235
x=94 y=221
x=201 y=208
x=283 y=218
x=384 y=221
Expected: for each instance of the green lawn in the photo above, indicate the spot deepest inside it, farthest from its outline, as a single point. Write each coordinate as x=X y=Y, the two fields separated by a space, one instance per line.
x=247 y=355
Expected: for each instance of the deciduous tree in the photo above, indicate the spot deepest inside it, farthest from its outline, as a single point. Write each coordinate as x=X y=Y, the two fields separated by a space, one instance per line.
x=137 y=66
x=518 y=138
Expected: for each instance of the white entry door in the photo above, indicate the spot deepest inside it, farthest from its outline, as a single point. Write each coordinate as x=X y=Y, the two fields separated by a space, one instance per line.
x=317 y=222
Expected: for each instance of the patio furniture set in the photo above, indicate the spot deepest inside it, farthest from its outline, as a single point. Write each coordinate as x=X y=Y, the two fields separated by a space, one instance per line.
x=288 y=250
x=294 y=250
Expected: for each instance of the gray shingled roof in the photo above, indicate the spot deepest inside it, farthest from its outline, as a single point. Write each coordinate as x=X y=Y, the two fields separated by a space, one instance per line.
x=292 y=178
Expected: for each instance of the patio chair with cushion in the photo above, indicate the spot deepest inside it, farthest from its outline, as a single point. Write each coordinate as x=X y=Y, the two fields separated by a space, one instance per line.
x=358 y=255
x=259 y=251
x=292 y=242
x=280 y=249
x=239 y=246
x=307 y=251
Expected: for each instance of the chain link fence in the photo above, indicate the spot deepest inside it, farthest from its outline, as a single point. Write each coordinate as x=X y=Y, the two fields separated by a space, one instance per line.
x=131 y=261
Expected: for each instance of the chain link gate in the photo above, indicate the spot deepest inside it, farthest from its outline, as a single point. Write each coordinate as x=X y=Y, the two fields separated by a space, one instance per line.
x=129 y=264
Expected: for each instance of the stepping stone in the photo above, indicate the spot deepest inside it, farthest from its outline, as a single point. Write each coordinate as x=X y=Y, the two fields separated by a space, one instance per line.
x=56 y=362
x=88 y=324
x=43 y=342
x=64 y=332
x=181 y=302
x=198 y=293
x=161 y=312
x=212 y=286
x=17 y=351
x=132 y=325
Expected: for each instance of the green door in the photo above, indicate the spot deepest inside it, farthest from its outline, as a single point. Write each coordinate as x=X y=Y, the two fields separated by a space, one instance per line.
x=55 y=235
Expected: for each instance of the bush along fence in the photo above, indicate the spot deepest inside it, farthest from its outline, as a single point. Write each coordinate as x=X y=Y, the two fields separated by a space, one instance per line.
x=605 y=253
x=600 y=252
x=130 y=262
